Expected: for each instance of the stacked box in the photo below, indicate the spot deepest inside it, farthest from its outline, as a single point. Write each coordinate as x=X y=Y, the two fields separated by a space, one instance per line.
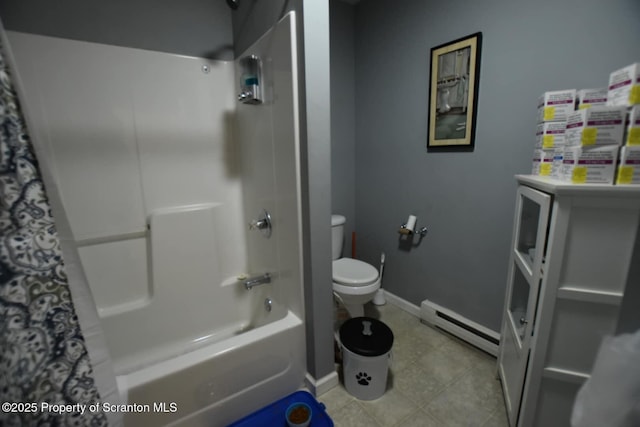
x=555 y=106
x=556 y=164
x=587 y=98
x=542 y=162
x=595 y=126
x=632 y=134
x=550 y=145
x=589 y=165
x=550 y=135
x=629 y=166
x=535 y=165
x=624 y=86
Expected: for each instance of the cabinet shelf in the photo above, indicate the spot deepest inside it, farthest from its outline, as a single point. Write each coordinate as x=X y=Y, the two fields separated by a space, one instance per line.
x=590 y=295
x=565 y=375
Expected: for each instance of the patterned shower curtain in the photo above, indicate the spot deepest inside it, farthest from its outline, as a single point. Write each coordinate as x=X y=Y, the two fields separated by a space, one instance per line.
x=43 y=355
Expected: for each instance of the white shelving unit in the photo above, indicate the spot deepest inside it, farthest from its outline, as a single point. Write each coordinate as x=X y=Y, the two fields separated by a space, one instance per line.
x=569 y=271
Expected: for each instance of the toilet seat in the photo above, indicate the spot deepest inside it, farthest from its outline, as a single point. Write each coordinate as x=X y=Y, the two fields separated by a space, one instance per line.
x=352 y=273
x=356 y=290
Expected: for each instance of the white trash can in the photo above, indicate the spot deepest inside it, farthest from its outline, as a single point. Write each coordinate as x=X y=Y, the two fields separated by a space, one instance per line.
x=366 y=349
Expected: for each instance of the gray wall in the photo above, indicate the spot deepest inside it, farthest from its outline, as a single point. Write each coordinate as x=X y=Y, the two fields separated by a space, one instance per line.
x=254 y=17
x=343 y=126
x=465 y=199
x=316 y=189
x=199 y=28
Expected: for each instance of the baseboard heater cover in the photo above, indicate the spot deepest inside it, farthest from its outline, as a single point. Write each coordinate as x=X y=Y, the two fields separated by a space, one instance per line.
x=461 y=327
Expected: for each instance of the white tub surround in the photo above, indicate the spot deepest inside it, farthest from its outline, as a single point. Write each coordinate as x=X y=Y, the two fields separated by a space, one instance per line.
x=160 y=170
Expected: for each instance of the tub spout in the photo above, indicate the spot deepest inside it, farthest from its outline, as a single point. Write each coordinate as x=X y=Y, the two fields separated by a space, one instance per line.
x=258 y=280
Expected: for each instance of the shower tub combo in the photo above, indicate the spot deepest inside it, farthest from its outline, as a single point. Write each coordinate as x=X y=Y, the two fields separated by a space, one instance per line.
x=159 y=176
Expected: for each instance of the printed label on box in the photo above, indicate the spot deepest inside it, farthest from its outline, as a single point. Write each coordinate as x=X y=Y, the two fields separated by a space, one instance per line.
x=589 y=165
x=579 y=175
x=556 y=169
x=591 y=97
x=629 y=168
x=549 y=113
x=624 y=86
x=589 y=136
x=634 y=95
x=550 y=135
x=625 y=175
x=634 y=136
x=595 y=126
x=556 y=105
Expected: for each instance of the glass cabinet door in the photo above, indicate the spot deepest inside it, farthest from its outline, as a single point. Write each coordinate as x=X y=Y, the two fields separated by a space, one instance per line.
x=529 y=216
x=530 y=229
x=525 y=276
x=529 y=238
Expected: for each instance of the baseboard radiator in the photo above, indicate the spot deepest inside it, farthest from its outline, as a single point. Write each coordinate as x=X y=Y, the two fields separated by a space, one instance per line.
x=459 y=326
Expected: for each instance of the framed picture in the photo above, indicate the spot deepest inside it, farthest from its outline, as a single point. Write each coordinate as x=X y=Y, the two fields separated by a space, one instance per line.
x=453 y=94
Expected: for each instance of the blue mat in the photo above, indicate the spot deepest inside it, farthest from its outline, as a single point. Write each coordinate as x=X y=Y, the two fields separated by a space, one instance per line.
x=273 y=415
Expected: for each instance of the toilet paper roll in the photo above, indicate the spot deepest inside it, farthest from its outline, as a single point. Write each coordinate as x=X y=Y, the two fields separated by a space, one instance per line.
x=411 y=223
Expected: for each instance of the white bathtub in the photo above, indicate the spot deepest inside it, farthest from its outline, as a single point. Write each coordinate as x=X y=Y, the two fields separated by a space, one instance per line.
x=201 y=350
x=198 y=353
x=221 y=382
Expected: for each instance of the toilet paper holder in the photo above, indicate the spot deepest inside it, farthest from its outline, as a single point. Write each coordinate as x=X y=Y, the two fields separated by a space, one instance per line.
x=408 y=232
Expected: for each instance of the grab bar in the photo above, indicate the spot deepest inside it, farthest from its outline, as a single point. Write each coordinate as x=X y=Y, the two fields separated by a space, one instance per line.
x=258 y=280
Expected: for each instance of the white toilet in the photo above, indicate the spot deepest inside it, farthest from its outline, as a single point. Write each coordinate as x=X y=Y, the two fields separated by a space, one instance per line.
x=354 y=282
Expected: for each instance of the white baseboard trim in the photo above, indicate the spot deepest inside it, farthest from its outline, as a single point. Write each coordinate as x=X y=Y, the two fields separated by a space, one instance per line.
x=322 y=385
x=402 y=303
x=459 y=326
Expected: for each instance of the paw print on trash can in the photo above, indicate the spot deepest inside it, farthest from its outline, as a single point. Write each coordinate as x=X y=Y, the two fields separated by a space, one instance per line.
x=363 y=378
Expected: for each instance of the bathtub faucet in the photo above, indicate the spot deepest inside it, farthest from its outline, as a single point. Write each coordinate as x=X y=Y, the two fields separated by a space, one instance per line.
x=258 y=280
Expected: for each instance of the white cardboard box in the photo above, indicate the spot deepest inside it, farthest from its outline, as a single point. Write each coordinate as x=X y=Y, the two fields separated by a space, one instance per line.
x=556 y=164
x=589 y=165
x=595 y=126
x=624 y=86
x=542 y=162
x=550 y=135
x=587 y=98
x=629 y=166
x=556 y=105
x=632 y=134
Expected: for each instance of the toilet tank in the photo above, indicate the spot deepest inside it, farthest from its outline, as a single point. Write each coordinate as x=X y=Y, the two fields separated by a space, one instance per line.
x=337 y=235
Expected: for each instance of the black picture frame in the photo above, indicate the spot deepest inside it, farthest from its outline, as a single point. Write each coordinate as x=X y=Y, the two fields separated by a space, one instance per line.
x=453 y=94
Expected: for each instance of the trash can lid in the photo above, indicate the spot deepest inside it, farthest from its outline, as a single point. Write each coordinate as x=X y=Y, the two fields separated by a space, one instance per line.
x=366 y=336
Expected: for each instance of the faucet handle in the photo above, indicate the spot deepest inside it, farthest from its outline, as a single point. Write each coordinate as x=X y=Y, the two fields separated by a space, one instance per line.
x=263 y=224
x=259 y=224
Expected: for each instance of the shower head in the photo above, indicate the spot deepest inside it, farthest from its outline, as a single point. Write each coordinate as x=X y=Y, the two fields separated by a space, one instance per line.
x=233 y=4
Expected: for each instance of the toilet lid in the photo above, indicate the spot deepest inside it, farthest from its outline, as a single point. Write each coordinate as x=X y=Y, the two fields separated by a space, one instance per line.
x=348 y=271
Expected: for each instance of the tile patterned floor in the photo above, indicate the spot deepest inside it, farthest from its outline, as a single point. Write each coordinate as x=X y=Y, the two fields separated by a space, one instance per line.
x=435 y=380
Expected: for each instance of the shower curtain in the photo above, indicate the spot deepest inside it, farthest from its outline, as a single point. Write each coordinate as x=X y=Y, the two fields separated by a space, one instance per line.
x=43 y=353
